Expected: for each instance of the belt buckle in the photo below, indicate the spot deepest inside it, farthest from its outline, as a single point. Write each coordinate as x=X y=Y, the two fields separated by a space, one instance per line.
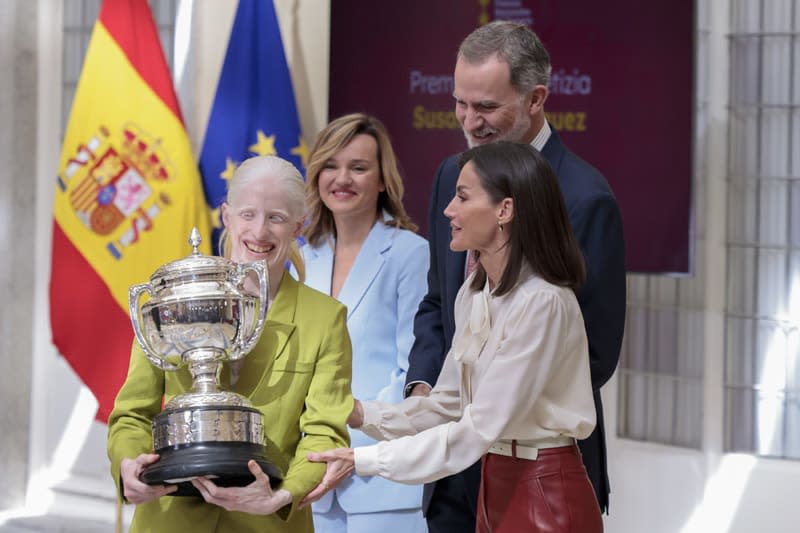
x=524 y=452
x=515 y=450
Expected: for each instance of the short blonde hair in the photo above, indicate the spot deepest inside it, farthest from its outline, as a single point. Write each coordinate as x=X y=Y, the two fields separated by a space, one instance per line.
x=292 y=183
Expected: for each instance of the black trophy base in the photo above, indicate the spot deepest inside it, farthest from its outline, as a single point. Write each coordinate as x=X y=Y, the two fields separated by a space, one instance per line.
x=225 y=463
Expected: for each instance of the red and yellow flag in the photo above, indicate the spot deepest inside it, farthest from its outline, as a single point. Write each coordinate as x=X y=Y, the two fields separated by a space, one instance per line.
x=127 y=196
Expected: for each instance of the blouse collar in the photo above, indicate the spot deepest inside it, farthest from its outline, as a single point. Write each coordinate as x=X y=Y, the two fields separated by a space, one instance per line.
x=470 y=342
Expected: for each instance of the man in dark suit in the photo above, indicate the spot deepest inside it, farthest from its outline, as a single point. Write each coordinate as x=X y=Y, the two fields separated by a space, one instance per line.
x=501 y=79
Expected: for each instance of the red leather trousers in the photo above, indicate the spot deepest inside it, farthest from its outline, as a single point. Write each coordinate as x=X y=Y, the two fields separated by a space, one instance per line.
x=551 y=494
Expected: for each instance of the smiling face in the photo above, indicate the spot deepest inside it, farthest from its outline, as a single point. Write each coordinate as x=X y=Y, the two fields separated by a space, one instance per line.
x=473 y=216
x=259 y=222
x=350 y=181
x=488 y=107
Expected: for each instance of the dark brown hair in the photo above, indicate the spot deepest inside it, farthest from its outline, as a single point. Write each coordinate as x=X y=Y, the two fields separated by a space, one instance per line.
x=540 y=231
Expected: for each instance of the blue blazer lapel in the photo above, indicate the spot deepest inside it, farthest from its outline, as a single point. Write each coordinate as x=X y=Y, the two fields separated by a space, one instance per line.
x=319 y=266
x=366 y=266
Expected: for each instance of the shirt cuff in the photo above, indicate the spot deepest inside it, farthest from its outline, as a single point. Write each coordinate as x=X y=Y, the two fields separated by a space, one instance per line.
x=366 y=459
x=372 y=415
x=410 y=386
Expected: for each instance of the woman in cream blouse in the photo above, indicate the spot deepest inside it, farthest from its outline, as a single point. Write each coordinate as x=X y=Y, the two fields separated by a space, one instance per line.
x=515 y=387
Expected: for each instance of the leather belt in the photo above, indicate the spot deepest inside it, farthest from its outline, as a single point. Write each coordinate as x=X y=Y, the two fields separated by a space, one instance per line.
x=528 y=449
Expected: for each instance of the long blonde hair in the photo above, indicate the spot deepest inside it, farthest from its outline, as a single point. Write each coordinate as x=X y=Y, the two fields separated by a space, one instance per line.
x=333 y=138
x=289 y=178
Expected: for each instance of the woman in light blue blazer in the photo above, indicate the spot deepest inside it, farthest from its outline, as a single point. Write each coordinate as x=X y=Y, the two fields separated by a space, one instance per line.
x=363 y=250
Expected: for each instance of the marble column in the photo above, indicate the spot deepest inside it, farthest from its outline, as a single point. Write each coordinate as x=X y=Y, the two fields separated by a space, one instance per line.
x=18 y=116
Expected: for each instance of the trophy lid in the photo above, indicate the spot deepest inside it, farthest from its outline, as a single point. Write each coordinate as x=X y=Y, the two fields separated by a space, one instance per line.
x=192 y=266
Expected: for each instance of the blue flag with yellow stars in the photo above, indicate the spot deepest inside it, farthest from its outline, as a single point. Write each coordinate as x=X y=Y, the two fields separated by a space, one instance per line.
x=254 y=111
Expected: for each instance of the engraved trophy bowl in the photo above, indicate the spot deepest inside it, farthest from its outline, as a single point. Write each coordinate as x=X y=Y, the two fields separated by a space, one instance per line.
x=199 y=316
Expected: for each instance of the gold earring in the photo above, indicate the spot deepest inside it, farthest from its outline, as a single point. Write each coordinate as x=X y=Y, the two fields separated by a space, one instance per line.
x=499 y=225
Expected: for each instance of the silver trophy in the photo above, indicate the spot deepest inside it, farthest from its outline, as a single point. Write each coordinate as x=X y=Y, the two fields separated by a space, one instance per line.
x=200 y=316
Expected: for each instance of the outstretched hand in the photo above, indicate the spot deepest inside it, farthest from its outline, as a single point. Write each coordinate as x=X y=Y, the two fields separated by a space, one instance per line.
x=134 y=489
x=341 y=461
x=341 y=465
x=255 y=498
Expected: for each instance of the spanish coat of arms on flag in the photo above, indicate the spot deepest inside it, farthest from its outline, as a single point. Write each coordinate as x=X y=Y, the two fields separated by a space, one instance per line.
x=127 y=195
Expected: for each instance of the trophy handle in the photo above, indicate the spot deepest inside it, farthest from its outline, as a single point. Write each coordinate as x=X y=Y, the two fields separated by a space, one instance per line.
x=260 y=268
x=134 y=293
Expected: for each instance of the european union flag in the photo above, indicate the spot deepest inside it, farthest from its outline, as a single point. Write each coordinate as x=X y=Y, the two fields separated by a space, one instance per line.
x=254 y=111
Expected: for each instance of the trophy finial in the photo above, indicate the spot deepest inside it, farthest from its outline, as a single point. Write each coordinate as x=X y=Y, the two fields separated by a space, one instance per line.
x=194 y=240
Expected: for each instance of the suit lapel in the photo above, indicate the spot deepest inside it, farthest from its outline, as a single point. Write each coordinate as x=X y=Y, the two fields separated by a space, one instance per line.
x=456 y=268
x=366 y=266
x=319 y=266
x=278 y=329
x=553 y=151
x=455 y=262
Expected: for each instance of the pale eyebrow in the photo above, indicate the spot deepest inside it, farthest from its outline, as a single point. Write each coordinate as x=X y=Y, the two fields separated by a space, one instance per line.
x=248 y=207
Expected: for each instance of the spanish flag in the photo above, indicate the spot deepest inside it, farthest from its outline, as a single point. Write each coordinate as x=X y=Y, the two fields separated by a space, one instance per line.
x=127 y=195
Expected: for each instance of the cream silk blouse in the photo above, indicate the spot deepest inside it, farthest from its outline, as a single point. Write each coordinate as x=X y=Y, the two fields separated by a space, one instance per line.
x=518 y=369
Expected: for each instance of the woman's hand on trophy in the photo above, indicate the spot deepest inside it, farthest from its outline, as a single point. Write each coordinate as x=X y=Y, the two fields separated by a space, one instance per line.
x=134 y=490
x=341 y=465
x=356 y=418
x=255 y=498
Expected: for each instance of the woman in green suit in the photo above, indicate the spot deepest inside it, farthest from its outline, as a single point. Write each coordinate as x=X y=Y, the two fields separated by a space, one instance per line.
x=298 y=375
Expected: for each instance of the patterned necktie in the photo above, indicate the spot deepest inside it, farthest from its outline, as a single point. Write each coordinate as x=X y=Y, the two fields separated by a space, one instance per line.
x=472 y=262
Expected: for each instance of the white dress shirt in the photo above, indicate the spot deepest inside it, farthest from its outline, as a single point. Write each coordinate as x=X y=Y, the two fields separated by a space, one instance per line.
x=518 y=369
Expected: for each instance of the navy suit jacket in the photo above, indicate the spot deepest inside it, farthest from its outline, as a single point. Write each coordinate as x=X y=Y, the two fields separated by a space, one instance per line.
x=597 y=224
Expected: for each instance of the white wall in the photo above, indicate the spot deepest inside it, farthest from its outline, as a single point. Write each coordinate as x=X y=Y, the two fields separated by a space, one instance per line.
x=654 y=488
x=17 y=228
x=662 y=489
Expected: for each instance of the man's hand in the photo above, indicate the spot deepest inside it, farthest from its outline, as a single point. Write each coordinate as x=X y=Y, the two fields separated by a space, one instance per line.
x=421 y=389
x=134 y=490
x=255 y=498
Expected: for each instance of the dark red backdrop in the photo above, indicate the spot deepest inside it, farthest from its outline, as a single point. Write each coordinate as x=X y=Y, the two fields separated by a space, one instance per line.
x=621 y=97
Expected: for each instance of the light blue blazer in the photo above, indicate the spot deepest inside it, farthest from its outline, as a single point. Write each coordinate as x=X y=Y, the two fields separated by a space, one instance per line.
x=382 y=292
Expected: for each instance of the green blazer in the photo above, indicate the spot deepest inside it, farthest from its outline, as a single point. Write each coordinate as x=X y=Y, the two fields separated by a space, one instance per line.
x=298 y=375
